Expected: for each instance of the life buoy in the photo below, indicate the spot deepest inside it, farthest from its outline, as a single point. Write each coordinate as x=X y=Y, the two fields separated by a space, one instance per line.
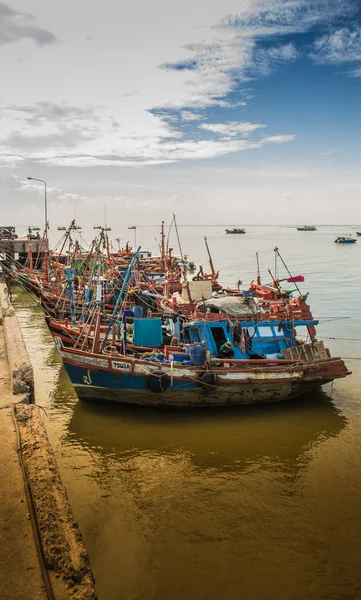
x=158 y=381
x=209 y=381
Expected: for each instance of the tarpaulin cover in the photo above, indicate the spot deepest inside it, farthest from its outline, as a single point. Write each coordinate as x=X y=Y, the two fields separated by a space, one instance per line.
x=236 y=306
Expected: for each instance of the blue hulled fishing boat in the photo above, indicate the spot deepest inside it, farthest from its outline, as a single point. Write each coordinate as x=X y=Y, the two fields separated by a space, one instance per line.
x=264 y=364
x=244 y=353
x=345 y=240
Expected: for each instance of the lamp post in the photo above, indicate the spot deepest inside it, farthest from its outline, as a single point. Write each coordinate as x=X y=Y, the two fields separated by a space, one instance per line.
x=46 y=203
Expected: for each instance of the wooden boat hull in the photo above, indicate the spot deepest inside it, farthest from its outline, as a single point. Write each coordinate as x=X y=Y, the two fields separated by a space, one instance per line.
x=131 y=381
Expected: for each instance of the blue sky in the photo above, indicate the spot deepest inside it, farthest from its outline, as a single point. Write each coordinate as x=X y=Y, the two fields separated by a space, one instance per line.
x=158 y=107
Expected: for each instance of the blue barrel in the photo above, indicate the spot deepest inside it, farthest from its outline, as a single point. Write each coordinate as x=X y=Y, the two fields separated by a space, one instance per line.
x=197 y=355
x=138 y=312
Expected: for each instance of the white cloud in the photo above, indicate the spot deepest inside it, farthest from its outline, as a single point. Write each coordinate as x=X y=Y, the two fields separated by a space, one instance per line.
x=152 y=151
x=355 y=72
x=208 y=57
x=212 y=69
x=266 y=59
x=47 y=124
x=343 y=45
x=16 y=26
x=278 y=139
x=232 y=128
x=288 y=16
x=188 y=115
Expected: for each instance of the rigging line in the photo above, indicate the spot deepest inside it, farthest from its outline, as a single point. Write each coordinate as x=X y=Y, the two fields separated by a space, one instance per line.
x=38 y=304
x=169 y=230
x=325 y=337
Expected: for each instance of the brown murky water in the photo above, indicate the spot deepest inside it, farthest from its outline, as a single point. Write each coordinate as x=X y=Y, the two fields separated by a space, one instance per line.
x=252 y=503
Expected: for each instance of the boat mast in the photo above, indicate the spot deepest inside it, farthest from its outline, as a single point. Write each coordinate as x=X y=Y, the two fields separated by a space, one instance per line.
x=71 y=294
x=119 y=299
x=184 y=273
x=176 y=230
x=162 y=234
x=275 y=251
x=210 y=257
x=258 y=271
x=287 y=269
x=66 y=236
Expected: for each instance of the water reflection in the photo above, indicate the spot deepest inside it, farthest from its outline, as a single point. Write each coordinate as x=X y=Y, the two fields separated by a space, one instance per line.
x=180 y=495
x=280 y=435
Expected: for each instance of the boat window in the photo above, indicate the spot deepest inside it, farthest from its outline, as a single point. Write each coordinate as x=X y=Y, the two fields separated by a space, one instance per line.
x=265 y=331
x=251 y=331
x=193 y=335
x=219 y=336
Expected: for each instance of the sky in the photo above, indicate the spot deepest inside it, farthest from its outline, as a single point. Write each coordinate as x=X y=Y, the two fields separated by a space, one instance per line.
x=239 y=112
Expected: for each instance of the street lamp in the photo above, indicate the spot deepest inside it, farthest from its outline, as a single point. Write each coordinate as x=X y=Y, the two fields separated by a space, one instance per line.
x=46 y=203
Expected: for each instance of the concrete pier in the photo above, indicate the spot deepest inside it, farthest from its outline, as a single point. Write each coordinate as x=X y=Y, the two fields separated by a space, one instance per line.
x=20 y=572
x=42 y=554
x=20 y=248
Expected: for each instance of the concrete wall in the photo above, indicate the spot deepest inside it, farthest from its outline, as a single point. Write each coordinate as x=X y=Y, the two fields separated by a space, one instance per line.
x=21 y=370
x=66 y=561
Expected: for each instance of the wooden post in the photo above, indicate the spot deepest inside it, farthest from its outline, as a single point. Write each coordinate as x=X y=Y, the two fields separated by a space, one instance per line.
x=46 y=266
x=30 y=254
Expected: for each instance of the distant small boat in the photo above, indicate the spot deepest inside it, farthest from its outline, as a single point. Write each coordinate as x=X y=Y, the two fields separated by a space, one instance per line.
x=132 y=227
x=358 y=232
x=307 y=228
x=236 y=230
x=345 y=240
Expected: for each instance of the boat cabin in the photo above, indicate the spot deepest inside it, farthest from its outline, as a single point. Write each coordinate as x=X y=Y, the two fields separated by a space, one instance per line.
x=249 y=339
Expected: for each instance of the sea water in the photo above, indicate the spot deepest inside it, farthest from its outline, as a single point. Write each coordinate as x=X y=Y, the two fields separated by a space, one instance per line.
x=254 y=503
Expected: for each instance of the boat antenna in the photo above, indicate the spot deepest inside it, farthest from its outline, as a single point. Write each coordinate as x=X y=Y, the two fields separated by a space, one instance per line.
x=209 y=256
x=105 y=215
x=275 y=251
x=176 y=229
x=162 y=239
x=169 y=230
x=258 y=271
x=184 y=272
x=288 y=271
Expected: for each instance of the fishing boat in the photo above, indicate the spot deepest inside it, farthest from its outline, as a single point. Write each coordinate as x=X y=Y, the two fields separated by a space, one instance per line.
x=246 y=355
x=358 y=232
x=307 y=228
x=236 y=230
x=140 y=332
x=345 y=240
x=267 y=365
